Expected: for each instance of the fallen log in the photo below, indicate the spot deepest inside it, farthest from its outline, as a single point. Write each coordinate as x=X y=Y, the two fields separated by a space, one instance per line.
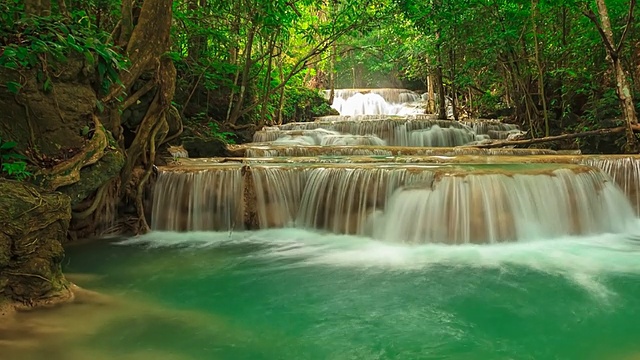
x=608 y=131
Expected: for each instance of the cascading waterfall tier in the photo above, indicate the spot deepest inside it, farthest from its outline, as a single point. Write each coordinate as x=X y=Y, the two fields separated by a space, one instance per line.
x=376 y=102
x=254 y=150
x=199 y=199
x=415 y=131
x=491 y=208
x=623 y=169
x=447 y=203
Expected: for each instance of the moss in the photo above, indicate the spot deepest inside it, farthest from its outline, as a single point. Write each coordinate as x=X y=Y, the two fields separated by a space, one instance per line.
x=34 y=225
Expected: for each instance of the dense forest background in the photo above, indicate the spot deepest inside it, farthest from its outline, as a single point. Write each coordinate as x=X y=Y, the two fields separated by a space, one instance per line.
x=113 y=83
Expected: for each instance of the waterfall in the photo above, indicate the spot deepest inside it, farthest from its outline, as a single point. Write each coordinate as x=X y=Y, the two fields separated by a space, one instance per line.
x=336 y=199
x=492 y=208
x=448 y=203
x=625 y=172
x=398 y=178
x=393 y=131
x=434 y=136
x=261 y=151
x=198 y=200
x=353 y=102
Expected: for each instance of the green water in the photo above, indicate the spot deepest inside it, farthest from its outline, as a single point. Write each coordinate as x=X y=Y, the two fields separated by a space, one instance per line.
x=292 y=294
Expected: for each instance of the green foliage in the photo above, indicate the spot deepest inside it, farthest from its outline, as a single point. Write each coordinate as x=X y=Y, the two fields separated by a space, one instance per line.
x=303 y=104
x=12 y=164
x=224 y=136
x=46 y=43
x=245 y=54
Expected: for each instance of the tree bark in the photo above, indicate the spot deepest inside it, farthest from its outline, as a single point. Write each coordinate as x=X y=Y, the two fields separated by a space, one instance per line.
x=431 y=102
x=543 y=98
x=244 y=80
x=613 y=55
x=62 y=6
x=149 y=41
x=442 y=106
x=37 y=7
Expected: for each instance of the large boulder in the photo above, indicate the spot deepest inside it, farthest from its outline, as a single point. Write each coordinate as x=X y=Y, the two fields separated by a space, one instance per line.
x=33 y=225
x=48 y=122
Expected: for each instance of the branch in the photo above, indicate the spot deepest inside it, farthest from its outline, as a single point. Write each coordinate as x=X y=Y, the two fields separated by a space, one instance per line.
x=632 y=5
x=591 y=16
x=138 y=94
x=608 y=131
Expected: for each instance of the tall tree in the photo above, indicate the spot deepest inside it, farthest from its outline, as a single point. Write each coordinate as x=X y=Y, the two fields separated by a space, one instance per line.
x=613 y=50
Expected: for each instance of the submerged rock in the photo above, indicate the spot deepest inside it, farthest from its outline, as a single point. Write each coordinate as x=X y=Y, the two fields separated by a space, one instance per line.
x=33 y=226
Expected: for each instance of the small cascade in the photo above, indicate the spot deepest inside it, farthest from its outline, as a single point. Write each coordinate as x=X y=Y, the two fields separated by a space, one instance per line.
x=393 y=131
x=337 y=199
x=444 y=204
x=489 y=127
x=320 y=137
x=353 y=102
x=435 y=136
x=263 y=151
x=625 y=172
x=491 y=208
x=352 y=140
x=199 y=199
x=453 y=200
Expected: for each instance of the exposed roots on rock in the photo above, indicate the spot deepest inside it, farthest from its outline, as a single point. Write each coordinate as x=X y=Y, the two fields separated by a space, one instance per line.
x=68 y=172
x=94 y=204
x=150 y=134
x=95 y=216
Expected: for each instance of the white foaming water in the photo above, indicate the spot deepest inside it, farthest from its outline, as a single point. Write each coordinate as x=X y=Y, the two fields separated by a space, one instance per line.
x=198 y=200
x=353 y=140
x=295 y=140
x=497 y=207
x=582 y=260
x=436 y=136
x=356 y=103
x=413 y=131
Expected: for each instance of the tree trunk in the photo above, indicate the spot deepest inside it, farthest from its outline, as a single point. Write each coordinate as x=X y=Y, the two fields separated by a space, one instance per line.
x=197 y=43
x=613 y=55
x=37 y=7
x=543 y=99
x=62 y=6
x=332 y=73
x=442 y=106
x=149 y=40
x=244 y=80
x=431 y=102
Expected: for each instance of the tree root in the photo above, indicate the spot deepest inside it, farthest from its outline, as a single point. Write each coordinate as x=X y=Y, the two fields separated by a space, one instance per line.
x=160 y=129
x=94 y=205
x=608 y=131
x=68 y=172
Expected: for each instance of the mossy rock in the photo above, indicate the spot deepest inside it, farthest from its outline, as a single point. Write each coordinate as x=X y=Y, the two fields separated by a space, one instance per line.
x=47 y=122
x=94 y=176
x=205 y=148
x=33 y=226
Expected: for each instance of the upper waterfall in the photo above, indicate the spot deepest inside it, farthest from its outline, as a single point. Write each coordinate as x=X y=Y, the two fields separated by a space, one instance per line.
x=351 y=102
